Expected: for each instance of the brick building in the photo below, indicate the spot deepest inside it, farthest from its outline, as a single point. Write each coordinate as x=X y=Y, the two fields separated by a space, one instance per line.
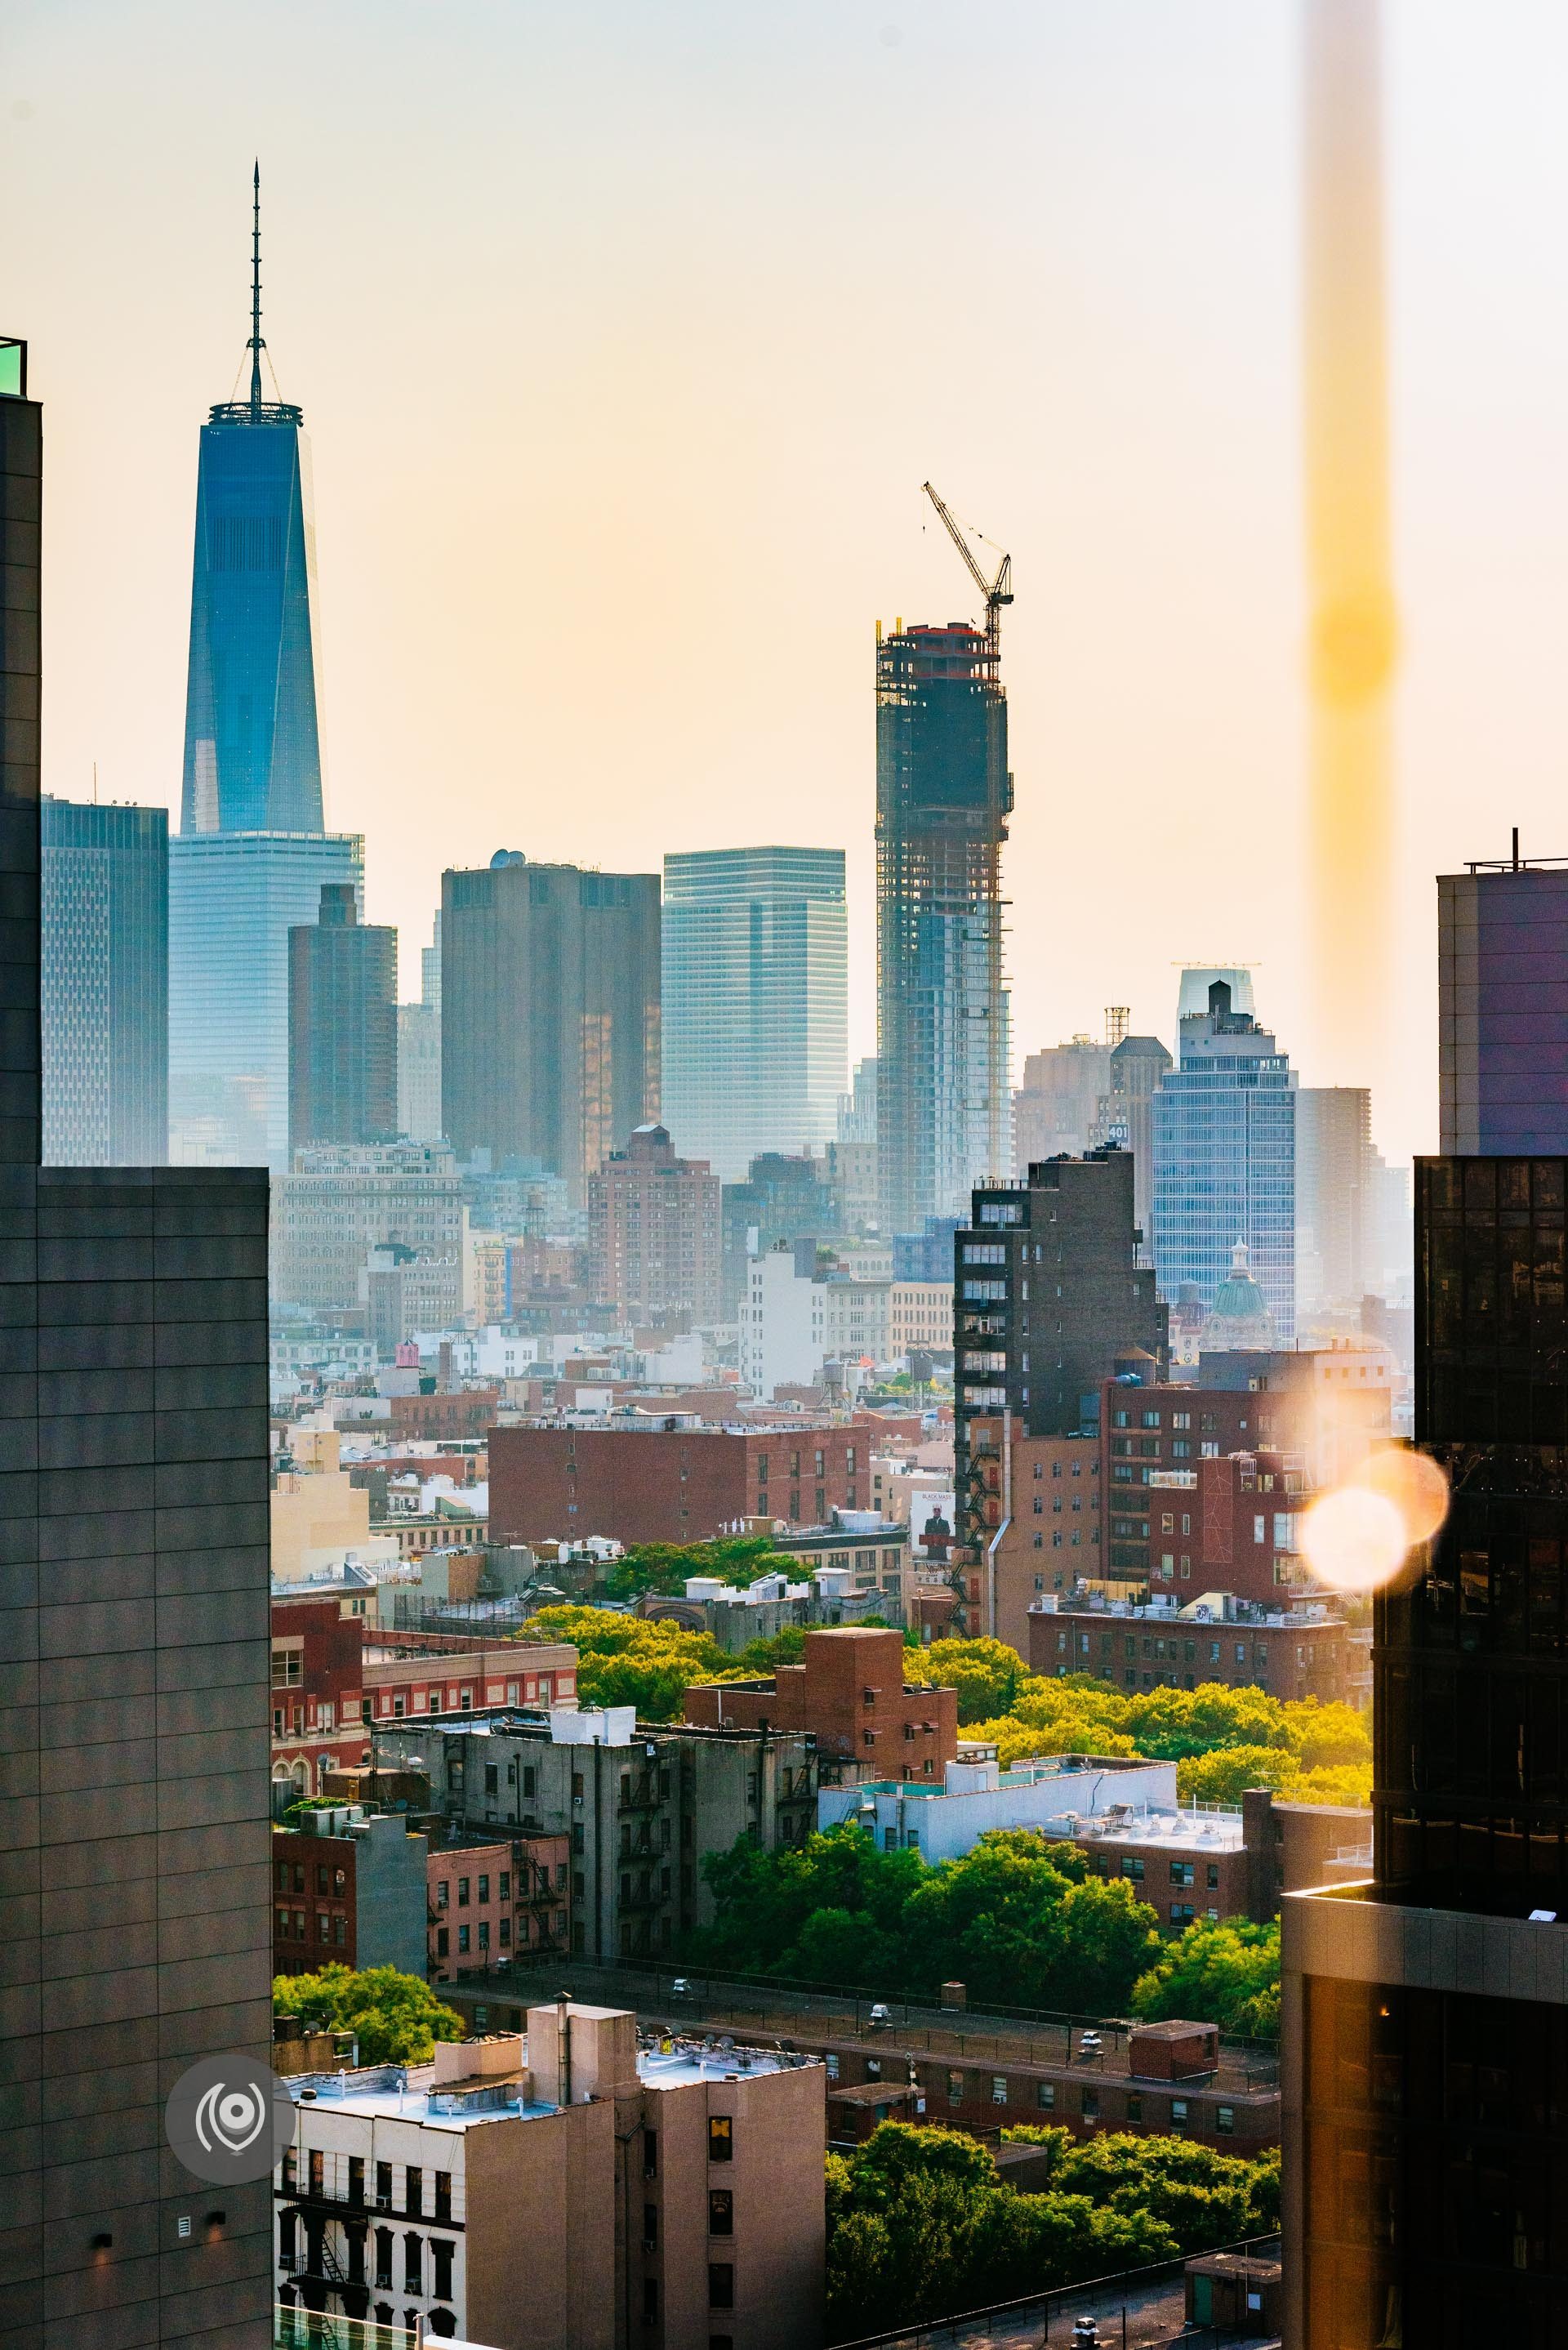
x=506 y=1672
x=466 y=1412
x=317 y=1665
x=1294 y=1653
x=348 y=1889
x=850 y=1694
x=671 y=1483
x=1037 y=1522
x=491 y=1902
x=654 y=1234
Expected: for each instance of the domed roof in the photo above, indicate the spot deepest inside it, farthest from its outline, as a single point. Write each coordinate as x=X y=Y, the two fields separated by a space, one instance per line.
x=1240 y=1316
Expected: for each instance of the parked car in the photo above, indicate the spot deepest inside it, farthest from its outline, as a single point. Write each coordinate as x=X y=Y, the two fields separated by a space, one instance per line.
x=881 y=2015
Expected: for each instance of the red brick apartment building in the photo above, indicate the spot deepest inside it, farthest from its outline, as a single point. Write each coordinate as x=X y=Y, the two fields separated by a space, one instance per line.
x=850 y=1693
x=490 y=1903
x=1288 y=1653
x=669 y=1483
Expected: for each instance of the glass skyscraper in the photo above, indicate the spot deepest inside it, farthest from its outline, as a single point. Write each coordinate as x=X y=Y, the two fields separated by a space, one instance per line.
x=1224 y=1160
x=755 y=1022
x=105 y=984
x=1502 y=1007
x=252 y=855
x=253 y=753
x=232 y=899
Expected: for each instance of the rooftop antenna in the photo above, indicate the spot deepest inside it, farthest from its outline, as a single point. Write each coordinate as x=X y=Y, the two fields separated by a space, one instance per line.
x=256 y=344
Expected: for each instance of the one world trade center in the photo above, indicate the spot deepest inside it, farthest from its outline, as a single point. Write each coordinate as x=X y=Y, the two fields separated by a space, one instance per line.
x=252 y=853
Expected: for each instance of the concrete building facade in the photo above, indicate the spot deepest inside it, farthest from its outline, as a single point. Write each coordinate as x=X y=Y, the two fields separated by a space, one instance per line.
x=341 y=1201
x=342 y=1026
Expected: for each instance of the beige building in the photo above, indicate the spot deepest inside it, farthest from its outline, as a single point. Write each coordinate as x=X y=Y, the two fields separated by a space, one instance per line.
x=919 y=1313
x=341 y=1200
x=565 y=2189
x=317 y=1518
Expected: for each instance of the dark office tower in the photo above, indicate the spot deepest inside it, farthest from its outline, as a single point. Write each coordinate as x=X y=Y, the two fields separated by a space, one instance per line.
x=135 y=1916
x=252 y=757
x=943 y=795
x=342 y=1025
x=1127 y=1119
x=1048 y=1298
x=105 y=985
x=549 y=995
x=1425 y=2014
x=1502 y=1007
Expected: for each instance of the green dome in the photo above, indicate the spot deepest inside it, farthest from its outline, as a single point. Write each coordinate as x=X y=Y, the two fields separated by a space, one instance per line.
x=1240 y=1316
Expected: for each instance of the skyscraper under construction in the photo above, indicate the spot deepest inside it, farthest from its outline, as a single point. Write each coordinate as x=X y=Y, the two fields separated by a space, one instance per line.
x=943 y=796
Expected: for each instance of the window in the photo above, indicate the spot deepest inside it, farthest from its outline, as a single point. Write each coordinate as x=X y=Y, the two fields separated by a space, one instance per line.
x=462 y=1892
x=721 y=2212
x=317 y=2170
x=1181 y=1872
x=955 y=2088
x=1179 y=2114
x=414 y=2190
x=384 y=2254
x=413 y=2263
x=720 y=2285
x=650 y=2153
x=443 y=1942
x=1224 y=2121
x=999 y=2088
x=440 y=2259
x=1045 y=2096
x=1132 y=1865
x=651 y=2301
x=462 y=1937
x=1091 y=2105
x=720 y=2137
x=1135 y=2107
x=384 y=2193
x=356 y=2178
x=444 y=2195
x=484 y=1888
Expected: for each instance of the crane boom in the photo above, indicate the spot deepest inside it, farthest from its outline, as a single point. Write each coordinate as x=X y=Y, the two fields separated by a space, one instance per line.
x=997 y=591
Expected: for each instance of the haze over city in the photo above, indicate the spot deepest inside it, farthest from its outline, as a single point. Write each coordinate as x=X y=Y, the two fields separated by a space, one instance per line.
x=625 y=339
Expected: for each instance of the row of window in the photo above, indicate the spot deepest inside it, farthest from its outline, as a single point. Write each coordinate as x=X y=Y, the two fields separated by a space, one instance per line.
x=996 y=2089
x=291 y=1926
x=338 y=2177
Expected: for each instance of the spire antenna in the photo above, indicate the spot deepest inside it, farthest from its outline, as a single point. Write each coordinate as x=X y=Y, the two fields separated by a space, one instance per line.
x=256 y=344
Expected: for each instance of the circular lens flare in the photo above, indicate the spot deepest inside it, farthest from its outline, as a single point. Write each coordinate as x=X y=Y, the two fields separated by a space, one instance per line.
x=1355 y=1539
x=1414 y=1483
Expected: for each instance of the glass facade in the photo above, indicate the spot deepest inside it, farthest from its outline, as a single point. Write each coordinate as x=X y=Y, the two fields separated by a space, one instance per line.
x=105 y=985
x=252 y=754
x=943 y=796
x=232 y=899
x=342 y=1026
x=1224 y=1130
x=755 y=1018
x=1502 y=1010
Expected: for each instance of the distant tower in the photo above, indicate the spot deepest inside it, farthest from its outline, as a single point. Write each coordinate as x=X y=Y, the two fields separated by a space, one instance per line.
x=251 y=856
x=1354 y=624
x=106 y=984
x=252 y=757
x=943 y=797
x=342 y=1025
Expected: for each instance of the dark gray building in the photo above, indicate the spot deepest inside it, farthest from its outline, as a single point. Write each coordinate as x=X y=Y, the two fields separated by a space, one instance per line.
x=105 y=984
x=641 y=1804
x=134 y=1899
x=342 y=1025
x=550 y=1013
x=1048 y=1298
x=1503 y=1007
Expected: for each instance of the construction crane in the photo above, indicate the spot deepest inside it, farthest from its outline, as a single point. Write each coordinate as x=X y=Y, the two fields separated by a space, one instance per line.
x=997 y=591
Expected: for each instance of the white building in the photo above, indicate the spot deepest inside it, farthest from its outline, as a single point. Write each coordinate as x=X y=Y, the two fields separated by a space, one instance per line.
x=790 y=1322
x=341 y=1200
x=1057 y=1796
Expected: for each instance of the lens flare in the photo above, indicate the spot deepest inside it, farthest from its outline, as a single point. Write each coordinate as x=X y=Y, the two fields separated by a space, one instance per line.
x=1353 y=1540
x=1415 y=1485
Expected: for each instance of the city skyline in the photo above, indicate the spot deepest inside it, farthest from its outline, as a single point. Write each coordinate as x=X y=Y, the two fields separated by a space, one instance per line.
x=1182 y=416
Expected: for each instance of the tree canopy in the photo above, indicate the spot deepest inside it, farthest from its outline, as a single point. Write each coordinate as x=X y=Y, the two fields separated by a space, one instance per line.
x=919 y=2225
x=663 y=1567
x=1021 y=1920
x=626 y=1661
x=1227 y=1974
x=397 y=2018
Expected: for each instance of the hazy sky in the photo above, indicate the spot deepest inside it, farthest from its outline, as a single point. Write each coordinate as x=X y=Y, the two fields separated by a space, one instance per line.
x=626 y=333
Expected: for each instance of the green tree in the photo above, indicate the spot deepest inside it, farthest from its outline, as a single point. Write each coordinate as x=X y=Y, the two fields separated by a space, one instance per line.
x=1223 y=1775
x=1203 y=2197
x=1168 y=1723
x=626 y=1661
x=1327 y=1737
x=1227 y=1974
x=987 y=1675
x=396 y=2018
x=663 y=1567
